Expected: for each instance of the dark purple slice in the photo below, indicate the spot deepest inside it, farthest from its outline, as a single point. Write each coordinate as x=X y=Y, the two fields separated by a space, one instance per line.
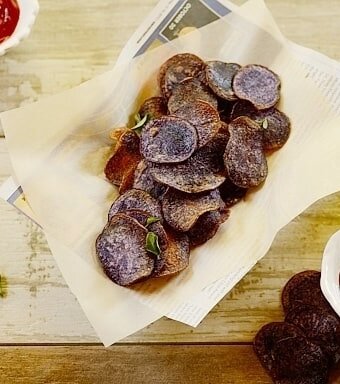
x=203 y=171
x=275 y=124
x=203 y=117
x=168 y=139
x=206 y=227
x=188 y=92
x=182 y=210
x=136 y=199
x=244 y=157
x=220 y=77
x=257 y=84
x=144 y=180
x=176 y=255
x=177 y=69
x=121 y=251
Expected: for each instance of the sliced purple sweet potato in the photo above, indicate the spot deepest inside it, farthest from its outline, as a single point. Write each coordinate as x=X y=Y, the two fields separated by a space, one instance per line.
x=188 y=92
x=220 y=77
x=136 y=199
x=168 y=139
x=244 y=156
x=121 y=251
x=257 y=84
x=203 y=117
x=203 y=171
x=178 y=69
x=182 y=210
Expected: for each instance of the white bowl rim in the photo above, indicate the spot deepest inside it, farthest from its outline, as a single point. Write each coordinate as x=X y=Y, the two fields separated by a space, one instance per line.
x=28 y=12
x=330 y=270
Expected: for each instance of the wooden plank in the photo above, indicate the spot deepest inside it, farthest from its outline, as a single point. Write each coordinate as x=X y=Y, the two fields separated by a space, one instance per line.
x=71 y=42
x=40 y=308
x=134 y=364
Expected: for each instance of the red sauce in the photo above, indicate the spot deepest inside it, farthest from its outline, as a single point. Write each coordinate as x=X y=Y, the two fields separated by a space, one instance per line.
x=9 y=17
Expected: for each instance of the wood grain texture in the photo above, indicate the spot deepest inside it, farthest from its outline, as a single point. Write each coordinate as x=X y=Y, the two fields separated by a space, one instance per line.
x=40 y=307
x=134 y=364
x=71 y=43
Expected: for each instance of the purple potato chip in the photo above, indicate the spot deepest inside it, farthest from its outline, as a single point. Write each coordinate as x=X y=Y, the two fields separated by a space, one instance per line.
x=298 y=356
x=125 y=157
x=203 y=117
x=319 y=327
x=121 y=251
x=182 y=210
x=136 y=199
x=257 y=84
x=286 y=353
x=157 y=228
x=275 y=124
x=177 y=69
x=304 y=289
x=220 y=77
x=154 y=107
x=244 y=157
x=188 y=92
x=168 y=139
x=203 y=171
x=176 y=255
x=206 y=227
x=143 y=180
x=231 y=194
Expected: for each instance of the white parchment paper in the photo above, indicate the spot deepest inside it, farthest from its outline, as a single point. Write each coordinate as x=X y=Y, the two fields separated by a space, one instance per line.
x=59 y=145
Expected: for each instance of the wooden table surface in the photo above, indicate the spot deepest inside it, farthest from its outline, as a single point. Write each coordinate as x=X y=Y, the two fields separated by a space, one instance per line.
x=44 y=336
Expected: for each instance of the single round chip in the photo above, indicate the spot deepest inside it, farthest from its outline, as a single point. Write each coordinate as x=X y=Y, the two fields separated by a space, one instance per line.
x=203 y=171
x=176 y=255
x=177 y=69
x=121 y=251
x=125 y=157
x=304 y=289
x=275 y=124
x=297 y=356
x=136 y=199
x=154 y=107
x=220 y=77
x=319 y=327
x=257 y=84
x=206 y=227
x=188 y=92
x=155 y=227
x=182 y=210
x=203 y=117
x=143 y=180
x=285 y=352
x=244 y=157
x=168 y=140
x=231 y=194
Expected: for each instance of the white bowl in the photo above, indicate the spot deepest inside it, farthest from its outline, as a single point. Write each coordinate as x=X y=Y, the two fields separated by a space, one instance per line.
x=28 y=12
x=330 y=271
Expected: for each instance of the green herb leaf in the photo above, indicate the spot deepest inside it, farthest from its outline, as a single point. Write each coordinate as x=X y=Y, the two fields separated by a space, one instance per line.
x=151 y=220
x=139 y=123
x=265 y=123
x=3 y=286
x=152 y=245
